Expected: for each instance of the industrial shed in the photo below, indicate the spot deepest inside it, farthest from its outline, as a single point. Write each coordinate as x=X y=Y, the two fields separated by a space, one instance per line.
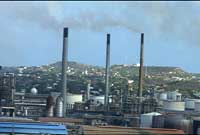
x=32 y=128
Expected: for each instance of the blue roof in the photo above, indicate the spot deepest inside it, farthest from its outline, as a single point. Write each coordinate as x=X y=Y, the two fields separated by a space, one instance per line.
x=32 y=128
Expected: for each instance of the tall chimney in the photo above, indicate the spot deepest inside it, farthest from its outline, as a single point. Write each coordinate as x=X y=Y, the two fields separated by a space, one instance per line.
x=141 y=74
x=107 y=72
x=64 y=68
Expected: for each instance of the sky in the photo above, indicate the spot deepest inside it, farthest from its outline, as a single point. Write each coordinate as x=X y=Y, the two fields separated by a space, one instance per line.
x=31 y=33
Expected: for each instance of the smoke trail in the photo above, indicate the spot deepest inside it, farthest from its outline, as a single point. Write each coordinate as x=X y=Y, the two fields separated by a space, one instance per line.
x=178 y=20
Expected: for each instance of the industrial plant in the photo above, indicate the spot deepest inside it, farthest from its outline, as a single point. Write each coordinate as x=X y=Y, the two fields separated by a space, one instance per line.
x=121 y=112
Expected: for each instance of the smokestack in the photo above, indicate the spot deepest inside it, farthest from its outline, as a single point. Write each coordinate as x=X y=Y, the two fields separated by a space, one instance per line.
x=64 y=68
x=141 y=74
x=107 y=72
x=88 y=91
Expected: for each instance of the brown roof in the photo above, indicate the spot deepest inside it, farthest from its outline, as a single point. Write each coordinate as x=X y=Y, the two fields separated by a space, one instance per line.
x=62 y=120
x=118 y=130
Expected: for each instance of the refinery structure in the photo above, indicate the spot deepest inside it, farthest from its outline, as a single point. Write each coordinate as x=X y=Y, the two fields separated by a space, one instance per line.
x=121 y=113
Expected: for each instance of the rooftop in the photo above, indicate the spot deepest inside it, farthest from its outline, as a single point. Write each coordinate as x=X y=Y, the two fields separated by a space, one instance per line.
x=32 y=128
x=118 y=130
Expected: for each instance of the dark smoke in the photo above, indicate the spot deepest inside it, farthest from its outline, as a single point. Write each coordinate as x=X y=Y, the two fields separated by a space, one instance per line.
x=179 y=20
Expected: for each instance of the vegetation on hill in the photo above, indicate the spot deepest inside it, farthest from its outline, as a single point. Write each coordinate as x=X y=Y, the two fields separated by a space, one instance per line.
x=47 y=78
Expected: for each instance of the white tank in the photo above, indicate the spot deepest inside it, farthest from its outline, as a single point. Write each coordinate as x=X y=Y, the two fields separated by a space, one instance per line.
x=147 y=119
x=72 y=98
x=34 y=91
x=173 y=105
x=26 y=112
x=197 y=106
x=174 y=95
x=163 y=96
x=190 y=103
x=59 y=107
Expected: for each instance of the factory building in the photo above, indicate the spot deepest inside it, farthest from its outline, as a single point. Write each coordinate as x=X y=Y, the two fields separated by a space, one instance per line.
x=32 y=128
x=30 y=104
x=71 y=99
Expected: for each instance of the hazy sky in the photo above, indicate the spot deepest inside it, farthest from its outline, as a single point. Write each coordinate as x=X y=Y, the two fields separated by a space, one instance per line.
x=31 y=32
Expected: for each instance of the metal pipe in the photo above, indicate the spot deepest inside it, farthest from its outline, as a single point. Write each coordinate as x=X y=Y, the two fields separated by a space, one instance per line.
x=141 y=74
x=107 y=72
x=64 y=68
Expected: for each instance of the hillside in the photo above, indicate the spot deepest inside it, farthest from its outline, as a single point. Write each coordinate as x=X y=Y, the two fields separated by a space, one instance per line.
x=47 y=78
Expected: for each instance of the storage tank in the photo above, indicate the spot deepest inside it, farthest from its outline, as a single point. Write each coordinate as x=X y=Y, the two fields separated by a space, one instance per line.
x=59 y=107
x=49 y=107
x=163 y=96
x=190 y=103
x=174 y=95
x=34 y=91
x=197 y=106
x=147 y=119
x=173 y=105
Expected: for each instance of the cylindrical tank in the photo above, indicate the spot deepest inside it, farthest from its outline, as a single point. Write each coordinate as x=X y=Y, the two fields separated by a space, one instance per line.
x=190 y=103
x=197 y=106
x=49 y=107
x=174 y=105
x=25 y=112
x=163 y=96
x=59 y=107
x=174 y=95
